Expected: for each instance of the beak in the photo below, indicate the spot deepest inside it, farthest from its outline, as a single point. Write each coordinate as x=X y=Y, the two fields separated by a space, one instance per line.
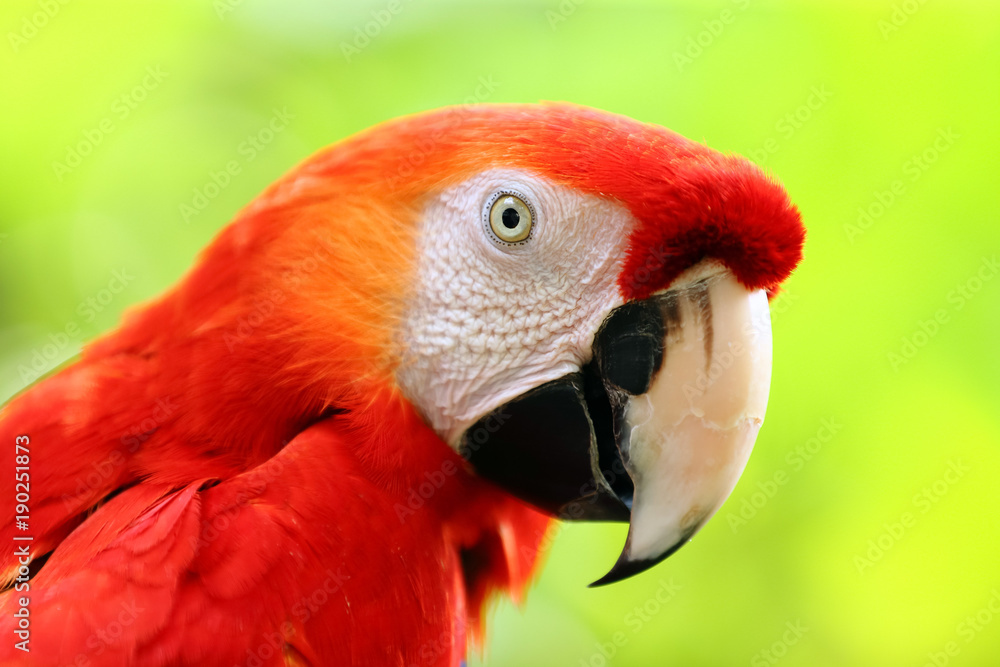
x=655 y=429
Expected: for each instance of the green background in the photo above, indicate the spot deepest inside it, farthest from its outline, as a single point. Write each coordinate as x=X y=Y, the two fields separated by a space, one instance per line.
x=886 y=364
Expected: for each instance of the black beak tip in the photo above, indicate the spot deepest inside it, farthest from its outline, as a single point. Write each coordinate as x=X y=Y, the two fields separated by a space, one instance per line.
x=625 y=567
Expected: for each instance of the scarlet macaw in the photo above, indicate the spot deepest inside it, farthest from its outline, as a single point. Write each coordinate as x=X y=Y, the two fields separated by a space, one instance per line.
x=352 y=421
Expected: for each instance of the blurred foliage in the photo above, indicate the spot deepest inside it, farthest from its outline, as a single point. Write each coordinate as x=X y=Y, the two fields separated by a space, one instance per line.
x=866 y=530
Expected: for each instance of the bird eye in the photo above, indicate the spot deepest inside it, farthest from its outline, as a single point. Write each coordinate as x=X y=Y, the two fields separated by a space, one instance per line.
x=510 y=217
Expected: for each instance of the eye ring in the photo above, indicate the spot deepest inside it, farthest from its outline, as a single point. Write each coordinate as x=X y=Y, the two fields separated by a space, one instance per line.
x=509 y=218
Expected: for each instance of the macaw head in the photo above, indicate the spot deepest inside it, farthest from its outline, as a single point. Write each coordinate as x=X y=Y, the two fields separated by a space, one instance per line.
x=574 y=301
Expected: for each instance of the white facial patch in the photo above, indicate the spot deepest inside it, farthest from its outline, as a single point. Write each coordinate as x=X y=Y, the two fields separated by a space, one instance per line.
x=491 y=321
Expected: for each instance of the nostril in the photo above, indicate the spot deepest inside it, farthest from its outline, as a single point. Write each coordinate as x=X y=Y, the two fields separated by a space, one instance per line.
x=629 y=347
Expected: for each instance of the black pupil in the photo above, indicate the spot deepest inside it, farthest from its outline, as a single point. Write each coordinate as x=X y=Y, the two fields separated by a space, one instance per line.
x=510 y=218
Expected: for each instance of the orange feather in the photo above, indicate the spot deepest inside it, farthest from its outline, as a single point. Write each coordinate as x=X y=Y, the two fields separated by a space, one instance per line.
x=258 y=394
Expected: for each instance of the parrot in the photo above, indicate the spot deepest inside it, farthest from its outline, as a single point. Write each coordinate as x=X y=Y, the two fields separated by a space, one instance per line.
x=351 y=426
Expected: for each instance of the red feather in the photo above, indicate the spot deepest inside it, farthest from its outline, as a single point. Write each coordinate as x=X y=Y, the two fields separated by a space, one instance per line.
x=238 y=450
x=318 y=555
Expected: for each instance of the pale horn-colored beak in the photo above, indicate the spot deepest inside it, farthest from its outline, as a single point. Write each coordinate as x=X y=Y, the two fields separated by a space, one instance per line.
x=686 y=439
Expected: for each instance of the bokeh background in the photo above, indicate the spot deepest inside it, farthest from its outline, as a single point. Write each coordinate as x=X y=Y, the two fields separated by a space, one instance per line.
x=866 y=529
